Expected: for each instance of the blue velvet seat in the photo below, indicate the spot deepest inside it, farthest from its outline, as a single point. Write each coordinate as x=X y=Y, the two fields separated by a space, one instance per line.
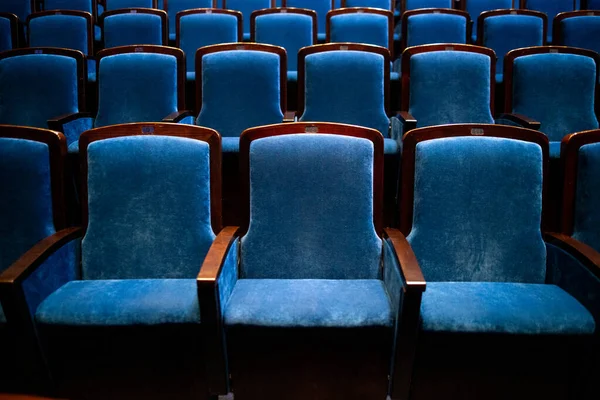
x=407 y=5
x=382 y=4
x=434 y=25
x=20 y=8
x=476 y=7
x=205 y=27
x=551 y=8
x=9 y=31
x=134 y=26
x=506 y=30
x=175 y=6
x=321 y=7
x=90 y=6
x=330 y=276
x=246 y=7
x=111 y=5
x=590 y=5
x=491 y=277
x=578 y=29
x=239 y=86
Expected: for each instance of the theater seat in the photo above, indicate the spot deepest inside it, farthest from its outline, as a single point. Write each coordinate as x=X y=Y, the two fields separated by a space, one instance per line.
x=578 y=29
x=434 y=25
x=550 y=8
x=321 y=7
x=111 y=5
x=175 y=6
x=134 y=26
x=9 y=31
x=476 y=7
x=246 y=7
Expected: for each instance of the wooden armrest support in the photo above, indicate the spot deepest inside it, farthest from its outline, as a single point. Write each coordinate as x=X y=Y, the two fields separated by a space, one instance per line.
x=408 y=120
x=409 y=267
x=522 y=120
x=586 y=255
x=214 y=260
x=28 y=262
x=56 y=124
x=289 y=116
x=177 y=116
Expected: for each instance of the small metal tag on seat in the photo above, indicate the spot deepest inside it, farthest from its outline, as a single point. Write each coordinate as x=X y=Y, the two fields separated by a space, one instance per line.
x=311 y=129
x=513 y=13
x=241 y=47
x=133 y=11
x=139 y=49
x=283 y=11
x=436 y=12
x=449 y=48
x=209 y=11
x=553 y=50
x=477 y=132
x=147 y=130
x=590 y=14
x=343 y=47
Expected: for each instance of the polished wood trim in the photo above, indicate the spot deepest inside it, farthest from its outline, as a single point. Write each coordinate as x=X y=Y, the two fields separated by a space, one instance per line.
x=495 y=13
x=509 y=60
x=164 y=18
x=403 y=6
x=521 y=120
x=181 y=14
x=299 y=128
x=569 y=159
x=166 y=5
x=57 y=151
x=280 y=51
x=392 y=4
x=157 y=129
x=586 y=255
x=283 y=10
x=411 y=51
x=14 y=28
x=448 y=11
x=412 y=138
x=557 y=33
x=215 y=258
x=364 y=10
x=89 y=21
x=320 y=48
x=409 y=266
x=170 y=51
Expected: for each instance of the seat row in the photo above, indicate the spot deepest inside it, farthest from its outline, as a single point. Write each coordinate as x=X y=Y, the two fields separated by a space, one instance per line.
x=311 y=297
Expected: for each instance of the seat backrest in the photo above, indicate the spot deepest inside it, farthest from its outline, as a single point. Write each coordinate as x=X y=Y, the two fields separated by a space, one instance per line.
x=345 y=83
x=9 y=31
x=239 y=86
x=246 y=7
x=31 y=177
x=65 y=28
x=361 y=25
x=172 y=7
x=38 y=84
x=383 y=4
x=448 y=84
x=553 y=85
x=549 y=7
x=321 y=7
x=476 y=7
x=139 y=84
x=292 y=29
x=205 y=27
x=110 y=5
x=150 y=193
x=431 y=26
x=593 y=4
x=506 y=30
x=406 y=5
x=21 y=8
x=126 y=27
x=73 y=5
x=578 y=29
x=312 y=190
x=472 y=202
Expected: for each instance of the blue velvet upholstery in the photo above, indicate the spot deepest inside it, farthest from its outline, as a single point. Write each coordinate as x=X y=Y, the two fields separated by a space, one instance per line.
x=288 y=30
x=37 y=87
x=550 y=8
x=124 y=92
x=292 y=303
x=151 y=222
x=503 y=33
x=581 y=32
x=586 y=217
x=246 y=7
x=414 y=4
x=5 y=34
x=199 y=30
x=121 y=303
x=321 y=7
x=513 y=308
x=477 y=210
x=21 y=8
x=116 y=4
x=73 y=129
x=180 y=5
x=229 y=276
x=436 y=28
x=383 y=4
x=76 y=5
x=91 y=71
x=361 y=27
x=129 y=29
x=347 y=87
x=240 y=89
x=450 y=87
x=556 y=90
x=476 y=7
x=391 y=275
x=323 y=230
x=67 y=31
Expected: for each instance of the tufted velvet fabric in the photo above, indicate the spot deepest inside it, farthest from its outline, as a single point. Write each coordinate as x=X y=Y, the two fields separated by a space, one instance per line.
x=21 y=8
x=77 y=5
x=116 y=4
x=199 y=30
x=321 y=211
x=360 y=28
x=124 y=92
x=581 y=32
x=550 y=8
x=503 y=33
x=240 y=89
x=5 y=34
x=246 y=7
x=513 y=308
x=557 y=90
x=288 y=30
x=321 y=7
x=347 y=87
x=180 y=5
x=37 y=87
x=477 y=210
x=130 y=29
x=457 y=93
x=67 y=31
x=150 y=222
x=436 y=28
x=384 y=4
x=476 y=7
x=586 y=219
x=26 y=201
x=121 y=303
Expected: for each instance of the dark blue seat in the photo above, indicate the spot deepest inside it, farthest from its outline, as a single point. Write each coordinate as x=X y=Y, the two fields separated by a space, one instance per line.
x=246 y=7
x=172 y=7
x=407 y=5
x=476 y=7
x=134 y=26
x=549 y=7
x=578 y=29
x=111 y=5
x=20 y=8
x=321 y=7
x=9 y=31
x=434 y=25
x=90 y=6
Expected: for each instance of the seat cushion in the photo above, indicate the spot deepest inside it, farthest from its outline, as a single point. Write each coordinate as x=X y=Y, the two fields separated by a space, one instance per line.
x=512 y=308
x=292 y=76
x=554 y=150
x=230 y=144
x=122 y=302
x=309 y=303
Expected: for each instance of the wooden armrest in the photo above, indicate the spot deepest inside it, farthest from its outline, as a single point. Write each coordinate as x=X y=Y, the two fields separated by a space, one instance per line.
x=214 y=260
x=289 y=116
x=586 y=255
x=409 y=267
x=177 y=116
x=522 y=120
x=408 y=120
x=32 y=259
x=56 y=124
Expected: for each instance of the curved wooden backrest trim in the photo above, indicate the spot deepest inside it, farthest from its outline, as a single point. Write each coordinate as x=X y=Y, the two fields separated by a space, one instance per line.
x=170 y=51
x=494 y=13
x=557 y=34
x=421 y=11
x=94 y=10
x=392 y=4
x=456 y=130
x=280 y=51
x=164 y=18
x=233 y=13
x=320 y=48
x=208 y=135
x=283 y=10
x=57 y=150
x=294 y=128
x=14 y=28
x=89 y=21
